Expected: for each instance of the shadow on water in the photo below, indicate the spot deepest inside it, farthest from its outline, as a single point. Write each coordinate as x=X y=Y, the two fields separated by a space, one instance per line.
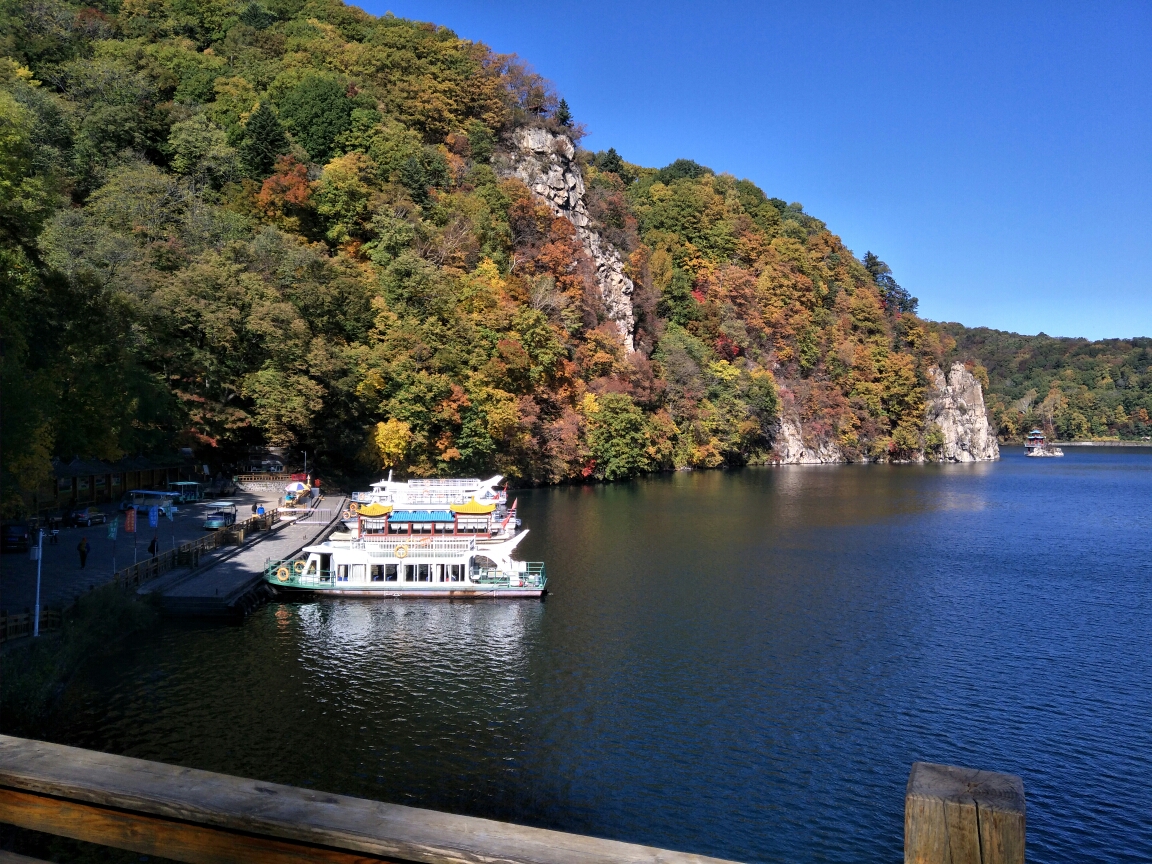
x=741 y=664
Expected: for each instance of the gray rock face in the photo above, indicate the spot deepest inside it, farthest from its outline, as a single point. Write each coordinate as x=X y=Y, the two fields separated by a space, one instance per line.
x=956 y=406
x=545 y=163
x=789 y=448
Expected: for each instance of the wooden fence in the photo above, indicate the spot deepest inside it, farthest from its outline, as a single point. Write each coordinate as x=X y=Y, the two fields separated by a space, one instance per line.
x=282 y=478
x=951 y=816
x=15 y=625
x=188 y=554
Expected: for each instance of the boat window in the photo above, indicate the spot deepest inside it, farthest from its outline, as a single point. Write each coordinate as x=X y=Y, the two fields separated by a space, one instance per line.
x=409 y=572
x=457 y=572
x=358 y=572
x=421 y=527
x=312 y=566
x=438 y=573
x=471 y=525
x=443 y=527
x=424 y=574
x=377 y=572
x=341 y=572
x=390 y=572
x=397 y=527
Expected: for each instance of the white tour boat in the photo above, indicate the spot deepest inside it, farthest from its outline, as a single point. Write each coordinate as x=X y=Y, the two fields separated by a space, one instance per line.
x=410 y=565
x=431 y=493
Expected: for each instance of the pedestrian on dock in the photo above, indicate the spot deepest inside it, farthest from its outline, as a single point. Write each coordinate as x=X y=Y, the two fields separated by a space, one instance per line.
x=82 y=547
x=153 y=547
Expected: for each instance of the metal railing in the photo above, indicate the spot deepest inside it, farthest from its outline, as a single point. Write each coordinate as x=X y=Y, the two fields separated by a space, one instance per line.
x=533 y=576
x=428 y=546
x=188 y=554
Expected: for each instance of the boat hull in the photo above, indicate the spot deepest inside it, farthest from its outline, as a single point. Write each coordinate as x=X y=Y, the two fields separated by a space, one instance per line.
x=463 y=593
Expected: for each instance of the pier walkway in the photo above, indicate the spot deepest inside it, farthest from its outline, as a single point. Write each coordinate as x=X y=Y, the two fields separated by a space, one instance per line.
x=230 y=583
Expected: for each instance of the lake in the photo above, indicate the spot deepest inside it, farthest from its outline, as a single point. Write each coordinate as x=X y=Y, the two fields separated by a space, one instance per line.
x=742 y=664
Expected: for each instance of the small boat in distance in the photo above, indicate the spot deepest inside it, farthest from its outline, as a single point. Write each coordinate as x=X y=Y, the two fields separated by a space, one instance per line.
x=1037 y=445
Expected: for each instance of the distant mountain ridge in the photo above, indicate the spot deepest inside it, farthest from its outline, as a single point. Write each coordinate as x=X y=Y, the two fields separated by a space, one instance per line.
x=292 y=223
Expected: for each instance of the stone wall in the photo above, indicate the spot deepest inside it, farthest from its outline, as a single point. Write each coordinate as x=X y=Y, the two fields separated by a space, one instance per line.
x=546 y=164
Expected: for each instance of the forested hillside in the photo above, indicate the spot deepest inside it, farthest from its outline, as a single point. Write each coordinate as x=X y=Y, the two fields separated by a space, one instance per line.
x=237 y=223
x=1071 y=388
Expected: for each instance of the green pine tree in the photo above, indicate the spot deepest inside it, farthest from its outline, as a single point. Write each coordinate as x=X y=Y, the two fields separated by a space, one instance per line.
x=262 y=142
x=563 y=115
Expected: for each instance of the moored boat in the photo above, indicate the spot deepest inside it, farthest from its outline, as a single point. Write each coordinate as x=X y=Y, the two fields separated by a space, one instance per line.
x=383 y=565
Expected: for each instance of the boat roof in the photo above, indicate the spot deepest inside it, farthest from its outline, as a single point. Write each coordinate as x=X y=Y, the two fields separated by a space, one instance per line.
x=221 y=503
x=421 y=516
x=375 y=509
x=473 y=507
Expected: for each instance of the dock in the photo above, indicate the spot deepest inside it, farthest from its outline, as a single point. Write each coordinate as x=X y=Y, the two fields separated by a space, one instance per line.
x=230 y=584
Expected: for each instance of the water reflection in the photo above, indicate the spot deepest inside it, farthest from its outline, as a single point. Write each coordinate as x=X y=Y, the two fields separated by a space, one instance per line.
x=738 y=664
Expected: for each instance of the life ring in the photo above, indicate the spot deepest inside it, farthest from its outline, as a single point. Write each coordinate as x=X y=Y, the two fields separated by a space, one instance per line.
x=401 y=552
x=347 y=514
x=298 y=565
x=283 y=575
x=353 y=507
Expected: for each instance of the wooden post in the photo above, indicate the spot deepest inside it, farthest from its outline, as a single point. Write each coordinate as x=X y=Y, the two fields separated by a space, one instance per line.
x=963 y=816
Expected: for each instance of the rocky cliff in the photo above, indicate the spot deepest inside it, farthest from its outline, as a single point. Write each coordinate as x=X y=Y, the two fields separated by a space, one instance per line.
x=789 y=447
x=546 y=164
x=956 y=407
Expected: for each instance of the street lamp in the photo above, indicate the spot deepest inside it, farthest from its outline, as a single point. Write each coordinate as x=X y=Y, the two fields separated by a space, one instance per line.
x=39 y=554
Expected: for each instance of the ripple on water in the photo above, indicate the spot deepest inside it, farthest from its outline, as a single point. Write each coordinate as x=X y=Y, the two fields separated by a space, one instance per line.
x=740 y=664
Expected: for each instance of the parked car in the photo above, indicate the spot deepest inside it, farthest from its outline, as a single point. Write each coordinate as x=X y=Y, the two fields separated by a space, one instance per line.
x=16 y=537
x=221 y=514
x=87 y=516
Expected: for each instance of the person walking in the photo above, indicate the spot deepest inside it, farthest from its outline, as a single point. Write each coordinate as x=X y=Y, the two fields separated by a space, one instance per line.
x=153 y=547
x=82 y=547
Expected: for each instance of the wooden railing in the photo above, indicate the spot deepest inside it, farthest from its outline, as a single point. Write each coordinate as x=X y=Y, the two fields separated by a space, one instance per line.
x=188 y=554
x=951 y=816
x=206 y=818
x=15 y=625
x=281 y=477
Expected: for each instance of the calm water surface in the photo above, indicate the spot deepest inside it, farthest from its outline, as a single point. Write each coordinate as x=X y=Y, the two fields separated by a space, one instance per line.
x=739 y=664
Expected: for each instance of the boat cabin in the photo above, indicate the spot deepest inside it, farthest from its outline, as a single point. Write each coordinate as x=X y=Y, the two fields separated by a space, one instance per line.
x=471 y=519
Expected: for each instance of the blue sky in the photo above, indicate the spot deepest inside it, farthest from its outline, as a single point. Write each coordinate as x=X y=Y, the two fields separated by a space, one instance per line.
x=998 y=156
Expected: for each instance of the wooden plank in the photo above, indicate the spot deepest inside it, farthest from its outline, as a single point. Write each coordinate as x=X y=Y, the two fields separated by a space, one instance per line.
x=956 y=815
x=165 y=838
x=336 y=822
x=13 y=858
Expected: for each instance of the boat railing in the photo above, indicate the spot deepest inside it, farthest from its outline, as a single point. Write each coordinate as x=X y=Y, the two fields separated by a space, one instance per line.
x=472 y=482
x=428 y=546
x=533 y=576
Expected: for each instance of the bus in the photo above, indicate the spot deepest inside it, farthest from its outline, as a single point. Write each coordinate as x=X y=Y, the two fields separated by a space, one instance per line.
x=142 y=499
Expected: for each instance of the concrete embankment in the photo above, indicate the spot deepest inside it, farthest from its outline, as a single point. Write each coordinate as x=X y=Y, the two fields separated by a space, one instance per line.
x=231 y=583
